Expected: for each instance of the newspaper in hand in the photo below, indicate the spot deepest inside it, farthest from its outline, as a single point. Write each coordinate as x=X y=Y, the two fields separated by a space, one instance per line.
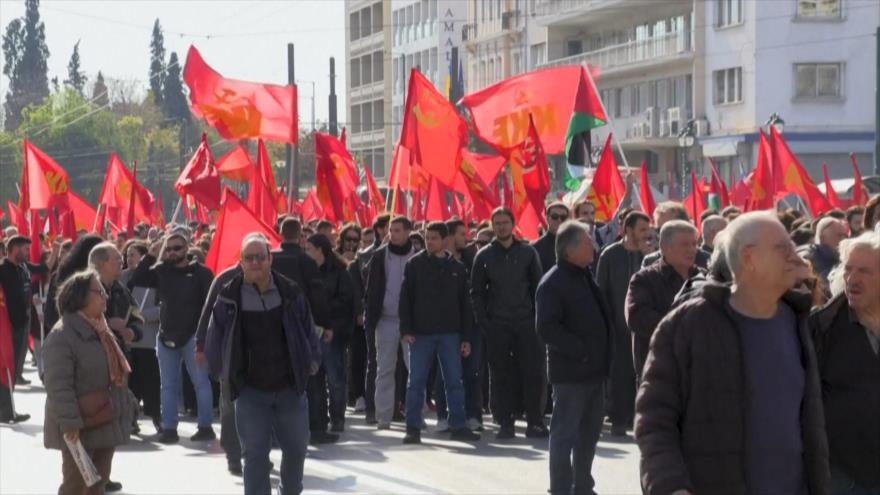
x=83 y=462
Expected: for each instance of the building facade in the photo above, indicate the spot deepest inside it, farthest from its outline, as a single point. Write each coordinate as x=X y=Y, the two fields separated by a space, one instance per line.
x=685 y=81
x=368 y=83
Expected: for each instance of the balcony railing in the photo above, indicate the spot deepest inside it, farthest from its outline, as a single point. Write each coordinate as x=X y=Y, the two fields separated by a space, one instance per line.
x=565 y=7
x=633 y=52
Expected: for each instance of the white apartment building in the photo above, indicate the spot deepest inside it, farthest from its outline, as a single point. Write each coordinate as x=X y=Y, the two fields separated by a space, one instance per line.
x=368 y=83
x=423 y=35
x=725 y=65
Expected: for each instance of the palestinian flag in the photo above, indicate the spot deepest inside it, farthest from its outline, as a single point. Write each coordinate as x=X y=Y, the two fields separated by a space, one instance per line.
x=587 y=113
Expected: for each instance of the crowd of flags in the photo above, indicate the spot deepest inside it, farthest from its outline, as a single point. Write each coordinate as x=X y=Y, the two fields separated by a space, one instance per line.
x=434 y=175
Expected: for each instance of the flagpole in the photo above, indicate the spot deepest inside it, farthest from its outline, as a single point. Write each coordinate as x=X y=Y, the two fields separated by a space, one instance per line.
x=97 y=215
x=608 y=116
x=176 y=210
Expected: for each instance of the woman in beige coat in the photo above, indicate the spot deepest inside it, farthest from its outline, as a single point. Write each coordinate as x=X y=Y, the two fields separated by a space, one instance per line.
x=83 y=361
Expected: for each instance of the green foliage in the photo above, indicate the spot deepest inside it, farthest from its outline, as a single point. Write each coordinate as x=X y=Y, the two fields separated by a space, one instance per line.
x=25 y=63
x=157 y=63
x=175 y=105
x=76 y=79
x=100 y=93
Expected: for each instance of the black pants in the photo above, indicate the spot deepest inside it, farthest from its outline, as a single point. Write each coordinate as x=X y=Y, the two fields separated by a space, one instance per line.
x=357 y=365
x=370 y=384
x=6 y=402
x=144 y=380
x=20 y=346
x=574 y=431
x=317 y=395
x=228 y=431
x=514 y=349
x=622 y=391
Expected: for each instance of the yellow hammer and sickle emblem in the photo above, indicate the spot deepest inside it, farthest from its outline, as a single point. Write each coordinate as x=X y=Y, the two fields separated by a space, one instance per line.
x=123 y=190
x=56 y=182
x=793 y=178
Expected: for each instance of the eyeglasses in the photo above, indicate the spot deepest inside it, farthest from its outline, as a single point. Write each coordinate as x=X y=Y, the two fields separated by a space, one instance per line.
x=352 y=239
x=556 y=216
x=250 y=258
x=99 y=292
x=175 y=248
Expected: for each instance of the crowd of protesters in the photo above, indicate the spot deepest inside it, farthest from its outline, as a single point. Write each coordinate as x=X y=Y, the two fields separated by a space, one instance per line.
x=742 y=354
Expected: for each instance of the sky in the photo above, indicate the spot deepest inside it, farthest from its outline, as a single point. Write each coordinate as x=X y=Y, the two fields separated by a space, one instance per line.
x=241 y=39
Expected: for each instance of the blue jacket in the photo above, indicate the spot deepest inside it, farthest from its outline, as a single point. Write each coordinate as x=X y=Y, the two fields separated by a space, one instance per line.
x=223 y=349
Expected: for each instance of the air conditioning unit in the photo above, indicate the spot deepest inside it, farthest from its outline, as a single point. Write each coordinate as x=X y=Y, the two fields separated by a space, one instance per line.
x=673 y=116
x=509 y=20
x=652 y=122
x=664 y=126
x=635 y=131
x=701 y=127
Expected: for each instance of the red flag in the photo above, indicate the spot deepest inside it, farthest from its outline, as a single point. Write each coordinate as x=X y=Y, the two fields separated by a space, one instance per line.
x=529 y=222
x=54 y=226
x=859 y=197
x=239 y=109
x=159 y=211
x=235 y=222
x=200 y=178
x=718 y=187
x=311 y=207
x=436 y=207
x=762 y=188
x=335 y=177
x=282 y=205
x=529 y=172
x=37 y=226
x=695 y=203
x=116 y=194
x=83 y=213
x=43 y=181
x=646 y=196
x=68 y=225
x=405 y=174
x=830 y=193
x=790 y=176
x=7 y=355
x=432 y=129
x=17 y=218
x=561 y=99
x=129 y=225
x=261 y=197
x=607 y=188
x=476 y=172
x=377 y=202
x=236 y=165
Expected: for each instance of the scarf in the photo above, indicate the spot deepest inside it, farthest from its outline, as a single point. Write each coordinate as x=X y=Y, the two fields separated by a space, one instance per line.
x=116 y=362
x=400 y=250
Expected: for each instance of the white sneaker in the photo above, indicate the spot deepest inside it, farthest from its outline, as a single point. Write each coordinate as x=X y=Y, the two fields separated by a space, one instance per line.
x=360 y=405
x=442 y=426
x=474 y=424
x=383 y=426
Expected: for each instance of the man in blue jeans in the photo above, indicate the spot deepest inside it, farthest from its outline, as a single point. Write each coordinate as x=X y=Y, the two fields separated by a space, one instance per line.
x=574 y=323
x=261 y=344
x=435 y=319
x=182 y=287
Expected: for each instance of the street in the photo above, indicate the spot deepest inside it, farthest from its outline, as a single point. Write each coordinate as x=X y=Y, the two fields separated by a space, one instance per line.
x=365 y=461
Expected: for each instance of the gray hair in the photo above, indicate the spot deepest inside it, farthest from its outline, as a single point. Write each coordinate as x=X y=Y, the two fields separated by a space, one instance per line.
x=255 y=237
x=822 y=226
x=667 y=207
x=10 y=231
x=718 y=260
x=567 y=237
x=101 y=253
x=744 y=231
x=673 y=227
x=714 y=221
x=868 y=240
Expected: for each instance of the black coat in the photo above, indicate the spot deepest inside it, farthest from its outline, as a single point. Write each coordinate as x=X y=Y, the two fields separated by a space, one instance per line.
x=339 y=291
x=575 y=323
x=18 y=293
x=434 y=298
x=850 y=373
x=546 y=248
x=503 y=284
x=293 y=263
x=690 y=415
x=374 y=287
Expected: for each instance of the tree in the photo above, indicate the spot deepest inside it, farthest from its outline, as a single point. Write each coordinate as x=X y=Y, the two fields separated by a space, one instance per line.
x=100 y=93
x=76 y=79
x=157 y=63
x=175 y=105
x=26 y=54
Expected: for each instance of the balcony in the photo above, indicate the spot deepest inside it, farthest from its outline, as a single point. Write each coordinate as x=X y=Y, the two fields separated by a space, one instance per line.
x=637 y=53
x=584 y=12
x=469 y=32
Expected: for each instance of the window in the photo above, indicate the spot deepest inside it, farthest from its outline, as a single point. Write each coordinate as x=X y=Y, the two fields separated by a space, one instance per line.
x=378 y=67
x=574 y=47
x=728 y=12
x=818 y=8
x=355 y=72
x=377 y=17
x=365 y=23
x=378 y=167
x=366 y=70
x=367 y=116
x=537 y=54
x=354 y=25
x=728 y=86
x=355 y=119
x=817 y=81
x=378 y=115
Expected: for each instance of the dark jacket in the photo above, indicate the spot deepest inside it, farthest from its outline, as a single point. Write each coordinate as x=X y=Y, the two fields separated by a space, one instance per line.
x=617 y=265
x=575 y=323
x=223 y=341
x=850 y=374
x=339 y=291
x=435 y=298
x=296 y=265
x=823 y=259
x=217 y=285
x=503 y=284
x=76 y=364
x=546 y=248
x=650 y=296
x=121 y=305
x=690 y=419
x=702 y=259
x=374 y=287
x=182 y=293
x=16 y=284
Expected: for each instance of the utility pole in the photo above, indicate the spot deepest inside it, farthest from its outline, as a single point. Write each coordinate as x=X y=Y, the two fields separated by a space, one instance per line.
x=290 y=149
x=877 y=105
x=334 y=125
x=313 y=106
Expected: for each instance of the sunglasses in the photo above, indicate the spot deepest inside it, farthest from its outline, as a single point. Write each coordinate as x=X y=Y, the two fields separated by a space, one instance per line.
x=557 y=216
x=174 y=248
x=250 y=258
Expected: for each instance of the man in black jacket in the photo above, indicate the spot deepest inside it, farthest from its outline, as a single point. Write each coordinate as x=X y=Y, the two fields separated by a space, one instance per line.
x=435 y=319
x=505 y=277
x=846 y=333
x=574 y=323
x=292 y=262
x=557 y=213
x=182 y=287
x=15 y=279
